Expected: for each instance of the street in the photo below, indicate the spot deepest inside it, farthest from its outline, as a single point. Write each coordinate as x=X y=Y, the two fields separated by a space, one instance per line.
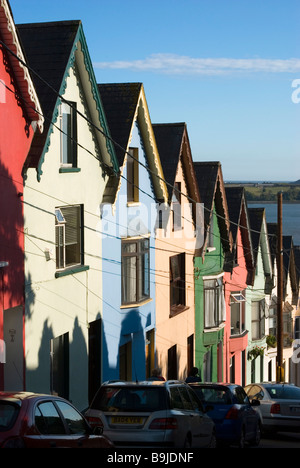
x=281 y=440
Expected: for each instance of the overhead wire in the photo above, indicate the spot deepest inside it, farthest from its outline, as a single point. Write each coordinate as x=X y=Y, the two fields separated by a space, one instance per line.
x=116 y=144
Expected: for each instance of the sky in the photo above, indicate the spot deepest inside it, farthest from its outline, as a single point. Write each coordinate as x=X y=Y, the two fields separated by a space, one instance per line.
x=229 y=69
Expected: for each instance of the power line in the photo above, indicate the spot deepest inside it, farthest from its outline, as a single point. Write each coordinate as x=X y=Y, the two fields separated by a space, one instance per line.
x=107 y=136
x=110 y=138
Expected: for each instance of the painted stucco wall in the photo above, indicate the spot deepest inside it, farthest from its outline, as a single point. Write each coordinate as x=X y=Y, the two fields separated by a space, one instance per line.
x=233 y=346
x=127 y=324
x=206 y=340
x=55 y=306
x=255 y=293
x=175 y=329
x=15 y=138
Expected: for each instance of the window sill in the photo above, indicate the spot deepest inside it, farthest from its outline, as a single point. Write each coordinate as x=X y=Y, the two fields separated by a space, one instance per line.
x=71 y=270
x=213 y=329
x=134 y=203
x=175 y=310
x=136 y=304
x=64 y=170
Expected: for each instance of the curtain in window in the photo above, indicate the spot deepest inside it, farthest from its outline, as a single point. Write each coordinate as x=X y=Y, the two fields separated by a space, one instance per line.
x=209 y=303
x=129 y=273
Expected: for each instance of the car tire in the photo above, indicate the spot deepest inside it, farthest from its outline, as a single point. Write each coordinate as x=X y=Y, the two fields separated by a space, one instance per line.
x=242 y=439
x=256 y=439
x=187 y=443
x=213 y=441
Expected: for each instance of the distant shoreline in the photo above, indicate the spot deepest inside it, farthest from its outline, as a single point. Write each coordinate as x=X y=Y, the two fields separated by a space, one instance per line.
x=273 y=202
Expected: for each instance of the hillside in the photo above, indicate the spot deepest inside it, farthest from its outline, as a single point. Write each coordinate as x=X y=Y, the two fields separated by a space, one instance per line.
x=267 y=191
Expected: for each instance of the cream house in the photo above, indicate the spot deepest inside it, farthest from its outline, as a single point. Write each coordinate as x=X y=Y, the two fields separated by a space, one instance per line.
x=176 y=242
x=65 y=176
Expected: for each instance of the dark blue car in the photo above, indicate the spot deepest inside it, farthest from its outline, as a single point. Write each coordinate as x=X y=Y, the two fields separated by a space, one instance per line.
x=235 y=419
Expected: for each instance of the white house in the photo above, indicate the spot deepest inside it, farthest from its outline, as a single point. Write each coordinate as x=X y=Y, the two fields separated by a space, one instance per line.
x=65 y=176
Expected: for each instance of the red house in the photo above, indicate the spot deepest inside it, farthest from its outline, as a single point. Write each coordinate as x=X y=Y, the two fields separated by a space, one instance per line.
x=20 y=117
x=236 y=282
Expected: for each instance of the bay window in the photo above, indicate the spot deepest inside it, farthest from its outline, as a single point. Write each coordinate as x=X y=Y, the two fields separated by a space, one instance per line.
x=214 y=302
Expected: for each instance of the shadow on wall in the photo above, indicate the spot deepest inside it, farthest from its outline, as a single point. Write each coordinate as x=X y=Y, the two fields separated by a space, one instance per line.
x=130 y=354
x=12 y=279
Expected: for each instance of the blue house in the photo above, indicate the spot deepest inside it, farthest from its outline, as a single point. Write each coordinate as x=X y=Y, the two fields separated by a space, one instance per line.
x=129 y=217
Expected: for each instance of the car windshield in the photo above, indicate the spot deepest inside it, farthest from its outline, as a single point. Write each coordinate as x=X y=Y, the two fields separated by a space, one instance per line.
x=8 y=415
x=283 y=392
x=215 y=395
x=137 y=399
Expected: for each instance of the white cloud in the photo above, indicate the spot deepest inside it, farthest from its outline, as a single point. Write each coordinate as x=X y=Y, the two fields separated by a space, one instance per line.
x=182 y=65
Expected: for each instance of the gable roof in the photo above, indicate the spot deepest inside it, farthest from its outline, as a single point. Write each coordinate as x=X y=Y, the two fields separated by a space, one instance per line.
x=51 y=50
x=173 y=146
x=290 y=258
x=15 y=56
x=212 y=192
x=260 y=238
x=239 y=218
x=297 y=261
x=123 y=104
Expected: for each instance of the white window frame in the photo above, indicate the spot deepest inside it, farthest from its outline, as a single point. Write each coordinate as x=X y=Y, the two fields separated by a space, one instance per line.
x=61 y=243
x=237 y=299
x=213 y=295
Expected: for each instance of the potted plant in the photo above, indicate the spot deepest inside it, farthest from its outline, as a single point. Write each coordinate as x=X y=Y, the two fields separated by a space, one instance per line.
x=255 y=352
x=271 y=341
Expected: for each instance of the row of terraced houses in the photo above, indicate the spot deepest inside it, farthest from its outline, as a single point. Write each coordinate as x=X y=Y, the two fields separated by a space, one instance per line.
x=118 y=252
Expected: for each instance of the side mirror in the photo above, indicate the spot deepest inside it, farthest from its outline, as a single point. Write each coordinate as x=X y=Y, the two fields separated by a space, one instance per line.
x=98 y=430
x=255 y=402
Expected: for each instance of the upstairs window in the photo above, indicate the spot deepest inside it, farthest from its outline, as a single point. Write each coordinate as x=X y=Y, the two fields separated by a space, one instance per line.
x=135 y=271
x=258 y=319
x=177 y=283
x=68 y=134
x=133 y=175
x=176 y=202
x=69 y=236
x=237 y=312
x=214 y=302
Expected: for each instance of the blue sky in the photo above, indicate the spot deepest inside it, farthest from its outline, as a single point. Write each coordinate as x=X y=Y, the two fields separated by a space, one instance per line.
x=230 y=69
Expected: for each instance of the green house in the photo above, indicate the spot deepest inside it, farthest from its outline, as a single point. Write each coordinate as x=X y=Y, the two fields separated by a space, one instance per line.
x=210 y=263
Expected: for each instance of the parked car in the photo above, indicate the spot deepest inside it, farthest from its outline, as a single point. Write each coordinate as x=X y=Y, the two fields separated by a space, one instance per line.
x=235 y=419
x=44 y=421
x=279 y=408
x=151 y=414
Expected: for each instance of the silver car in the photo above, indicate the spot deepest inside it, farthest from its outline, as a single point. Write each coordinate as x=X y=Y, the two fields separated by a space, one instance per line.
x=279 y=407
x=151 y=414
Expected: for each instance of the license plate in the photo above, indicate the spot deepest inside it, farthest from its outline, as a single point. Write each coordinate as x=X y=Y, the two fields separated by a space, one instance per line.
x=126 y=420
x=295 y=409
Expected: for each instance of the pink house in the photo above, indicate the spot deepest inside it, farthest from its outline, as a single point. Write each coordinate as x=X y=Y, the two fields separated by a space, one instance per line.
x=20 y=116
x=236 y=282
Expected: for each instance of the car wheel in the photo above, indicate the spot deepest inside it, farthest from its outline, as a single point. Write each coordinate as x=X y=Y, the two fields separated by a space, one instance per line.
x=256 y=439
x=187 y=443
x=241 y=441
x=213 y=441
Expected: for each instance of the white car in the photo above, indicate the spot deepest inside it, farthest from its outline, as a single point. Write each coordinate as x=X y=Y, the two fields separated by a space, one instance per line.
x=279 y=407
x=151 y=414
